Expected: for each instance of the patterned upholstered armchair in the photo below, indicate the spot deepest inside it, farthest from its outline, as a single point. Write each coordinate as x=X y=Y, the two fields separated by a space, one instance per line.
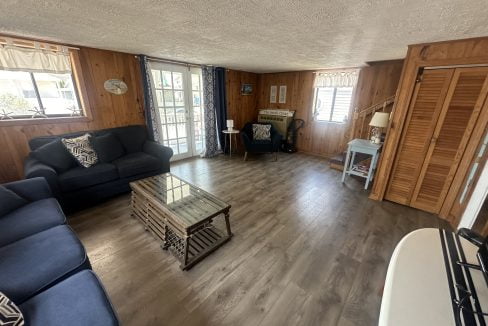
x=260 y=146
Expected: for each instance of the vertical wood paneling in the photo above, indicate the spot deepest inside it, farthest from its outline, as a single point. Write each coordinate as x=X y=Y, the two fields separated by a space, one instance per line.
x=241 y=108
x=107 y=110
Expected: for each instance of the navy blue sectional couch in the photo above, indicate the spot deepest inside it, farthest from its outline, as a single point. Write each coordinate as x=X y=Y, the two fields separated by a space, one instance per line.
x=125 y=154
x=44 y=268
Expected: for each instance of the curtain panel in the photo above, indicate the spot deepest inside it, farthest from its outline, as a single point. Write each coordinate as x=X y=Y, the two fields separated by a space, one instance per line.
x=14 y=58
x=336 y=78
x=150 y=111
x=212 y=147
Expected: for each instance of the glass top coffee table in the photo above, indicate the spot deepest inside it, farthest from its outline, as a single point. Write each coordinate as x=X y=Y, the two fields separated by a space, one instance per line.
x=182 y=216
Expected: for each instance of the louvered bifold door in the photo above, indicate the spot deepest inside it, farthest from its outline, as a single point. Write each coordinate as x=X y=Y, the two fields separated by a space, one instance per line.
x=425 y=107
x=460 y=111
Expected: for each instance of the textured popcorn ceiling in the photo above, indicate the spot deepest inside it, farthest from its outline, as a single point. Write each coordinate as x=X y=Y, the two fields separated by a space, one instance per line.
x=252 y=35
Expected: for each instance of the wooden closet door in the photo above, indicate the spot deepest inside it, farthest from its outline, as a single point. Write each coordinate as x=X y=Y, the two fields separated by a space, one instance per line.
x=459 y=114
x=425 y=107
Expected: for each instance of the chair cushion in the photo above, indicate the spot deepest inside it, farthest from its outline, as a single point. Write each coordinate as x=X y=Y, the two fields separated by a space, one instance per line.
x=81 y=149
x=32 y=218
x=41 y=260
x=131 y=137
x=136 y=163
x=10 y=201
x=76 y=301
x=80 y=177
x=261 y=132
x=108 y=147
x=10 y=314
x=55 y=155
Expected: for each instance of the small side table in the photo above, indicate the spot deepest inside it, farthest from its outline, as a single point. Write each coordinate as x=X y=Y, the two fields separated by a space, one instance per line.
x=230 y=133
x=361 y=146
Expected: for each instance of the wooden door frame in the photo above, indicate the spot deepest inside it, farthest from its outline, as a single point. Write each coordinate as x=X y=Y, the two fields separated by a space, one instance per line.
x=418 y=56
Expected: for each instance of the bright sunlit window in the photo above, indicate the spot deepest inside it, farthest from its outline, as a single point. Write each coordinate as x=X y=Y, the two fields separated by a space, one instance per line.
x=332 y=103
x=37 y=95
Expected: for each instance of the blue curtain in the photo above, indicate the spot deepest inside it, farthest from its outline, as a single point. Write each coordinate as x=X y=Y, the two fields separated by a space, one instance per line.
x=215 y=109
x=220 y=101
x=149 y=107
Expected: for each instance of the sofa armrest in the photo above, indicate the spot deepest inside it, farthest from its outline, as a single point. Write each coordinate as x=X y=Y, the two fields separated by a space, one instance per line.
x=163 y=153
x=30 y=189
x=34 y=169
x=246 y=140
x=276 y=140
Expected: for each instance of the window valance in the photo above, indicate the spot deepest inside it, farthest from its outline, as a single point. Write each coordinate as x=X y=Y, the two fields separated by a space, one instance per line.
x=15 y=58
x=336 y=78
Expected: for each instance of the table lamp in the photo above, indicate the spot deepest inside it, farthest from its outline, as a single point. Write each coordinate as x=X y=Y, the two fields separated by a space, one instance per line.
x=378 y=122
x=230 y=124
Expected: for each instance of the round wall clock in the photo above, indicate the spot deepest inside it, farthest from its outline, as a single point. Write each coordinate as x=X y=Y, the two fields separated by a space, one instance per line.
x=115 y=86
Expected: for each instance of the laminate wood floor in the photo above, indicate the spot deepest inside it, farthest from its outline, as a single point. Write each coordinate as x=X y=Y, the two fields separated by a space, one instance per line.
x=307 y=250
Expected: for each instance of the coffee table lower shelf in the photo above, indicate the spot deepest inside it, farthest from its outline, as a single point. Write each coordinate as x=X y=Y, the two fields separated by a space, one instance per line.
x=195 y=247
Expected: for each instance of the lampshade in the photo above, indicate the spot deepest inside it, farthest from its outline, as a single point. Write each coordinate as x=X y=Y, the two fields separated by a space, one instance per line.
x=230 y=124
x=380 y=120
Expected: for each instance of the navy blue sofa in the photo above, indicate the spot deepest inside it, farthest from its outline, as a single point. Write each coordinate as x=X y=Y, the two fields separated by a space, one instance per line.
x=44 y=268
x=125 y=154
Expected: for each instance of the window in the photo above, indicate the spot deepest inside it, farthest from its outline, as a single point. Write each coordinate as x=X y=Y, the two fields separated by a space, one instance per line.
x=37 y=95
x=332 y=103
x=333 y=94
x=36 y=83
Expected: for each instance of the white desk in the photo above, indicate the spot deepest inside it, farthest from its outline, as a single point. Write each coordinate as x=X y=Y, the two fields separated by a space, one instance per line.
x=361 y=146
x=417 y=287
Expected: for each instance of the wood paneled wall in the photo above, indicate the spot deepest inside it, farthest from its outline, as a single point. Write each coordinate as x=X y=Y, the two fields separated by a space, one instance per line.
x=107 y=110
x=376 y=82
x=449 y=53
x=241 y=108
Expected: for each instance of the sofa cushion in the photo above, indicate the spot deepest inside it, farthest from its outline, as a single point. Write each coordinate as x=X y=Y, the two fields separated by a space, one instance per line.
x=41 y=260
x=55 y=155
x=131 y=137
x=80 y=177
x=108 y=147
x=10 y=201
x=32 y=218
x=10 y=314
x=81 y=149
x=136 y=163
x=76 y=301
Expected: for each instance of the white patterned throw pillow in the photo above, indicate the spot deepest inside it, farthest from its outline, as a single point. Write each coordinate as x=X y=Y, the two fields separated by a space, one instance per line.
x=261 y=132
x=81 y=149
x=10 y=314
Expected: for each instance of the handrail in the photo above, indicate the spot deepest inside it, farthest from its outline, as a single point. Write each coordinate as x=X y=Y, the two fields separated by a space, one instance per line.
x=362 y=114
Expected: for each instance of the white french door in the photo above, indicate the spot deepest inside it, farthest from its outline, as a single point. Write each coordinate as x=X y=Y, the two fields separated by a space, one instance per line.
x=178 y=97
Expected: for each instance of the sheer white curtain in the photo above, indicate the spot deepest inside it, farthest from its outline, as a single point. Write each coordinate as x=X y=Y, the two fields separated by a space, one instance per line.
x=15 y=58
x=346 y=78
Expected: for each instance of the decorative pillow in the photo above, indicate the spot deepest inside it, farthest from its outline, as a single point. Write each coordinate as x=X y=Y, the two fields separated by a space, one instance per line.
x=107 y=147
x=10 y=202
x=55 y=155
x=261 y=132
x=10 y=314
x=81 y=149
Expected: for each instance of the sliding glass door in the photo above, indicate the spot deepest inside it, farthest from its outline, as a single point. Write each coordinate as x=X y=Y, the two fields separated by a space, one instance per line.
x=177 y=93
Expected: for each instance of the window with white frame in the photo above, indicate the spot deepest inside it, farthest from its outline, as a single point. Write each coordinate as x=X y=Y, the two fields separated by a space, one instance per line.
x=36 y=83
x=333 y=95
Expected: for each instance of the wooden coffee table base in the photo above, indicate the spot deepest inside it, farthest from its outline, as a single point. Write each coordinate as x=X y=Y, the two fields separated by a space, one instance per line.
x=188 y=246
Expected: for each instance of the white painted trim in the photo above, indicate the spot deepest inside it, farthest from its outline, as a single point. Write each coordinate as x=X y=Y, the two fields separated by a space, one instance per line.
x=476 y=201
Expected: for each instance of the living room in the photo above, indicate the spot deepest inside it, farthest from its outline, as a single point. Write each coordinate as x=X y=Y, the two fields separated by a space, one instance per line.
x=244 y=163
